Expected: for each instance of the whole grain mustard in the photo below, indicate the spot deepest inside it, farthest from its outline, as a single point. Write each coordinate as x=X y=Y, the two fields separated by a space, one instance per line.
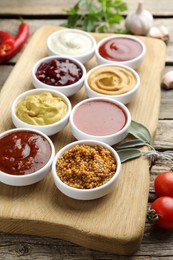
x=86 y=167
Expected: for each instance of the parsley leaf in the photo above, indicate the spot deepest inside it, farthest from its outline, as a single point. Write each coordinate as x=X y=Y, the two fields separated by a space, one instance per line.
x=100 y=16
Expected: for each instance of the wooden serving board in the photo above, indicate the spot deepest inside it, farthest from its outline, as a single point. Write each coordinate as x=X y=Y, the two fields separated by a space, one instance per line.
x=114 y=223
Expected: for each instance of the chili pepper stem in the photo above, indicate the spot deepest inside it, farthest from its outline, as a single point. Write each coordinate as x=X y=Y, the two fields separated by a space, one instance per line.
x=21 y=19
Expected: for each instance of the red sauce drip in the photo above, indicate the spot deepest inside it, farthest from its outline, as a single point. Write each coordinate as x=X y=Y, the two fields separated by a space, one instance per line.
x=23 y=152
x=99 y=118
x=61 y=72
x=120 y=49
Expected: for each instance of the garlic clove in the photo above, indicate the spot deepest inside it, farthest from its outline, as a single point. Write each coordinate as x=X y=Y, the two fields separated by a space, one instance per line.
x=155 y=32
x=140 y=21
x=167 y=81
x=165 y=33
x=161 y=33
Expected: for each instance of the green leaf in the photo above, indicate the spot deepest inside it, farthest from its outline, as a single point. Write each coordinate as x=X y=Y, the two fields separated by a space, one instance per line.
x=73 y=20
x=117 y=18
x=91 y=15
x=119 y=5
x=131 y=144
x=140 y=131
x=92 y=9
x=89 y=24
x=128 y=154
x=103 y=28
x=73 y=10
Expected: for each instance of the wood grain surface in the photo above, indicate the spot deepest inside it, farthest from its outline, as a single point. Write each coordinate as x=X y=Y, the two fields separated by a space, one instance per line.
x=156 y=243
x=114 y=223
x=58 y=7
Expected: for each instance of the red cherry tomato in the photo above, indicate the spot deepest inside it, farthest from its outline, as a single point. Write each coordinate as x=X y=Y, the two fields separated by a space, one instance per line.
x=163 y=184
x=162 y=212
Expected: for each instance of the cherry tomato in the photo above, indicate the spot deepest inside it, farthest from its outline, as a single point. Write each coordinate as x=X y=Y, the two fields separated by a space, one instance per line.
x=163 y=184
x=162 y=212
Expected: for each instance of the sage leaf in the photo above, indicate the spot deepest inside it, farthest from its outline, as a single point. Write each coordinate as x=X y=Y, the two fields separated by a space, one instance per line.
x=131 y=144
x=140 y=131
x=128 y=154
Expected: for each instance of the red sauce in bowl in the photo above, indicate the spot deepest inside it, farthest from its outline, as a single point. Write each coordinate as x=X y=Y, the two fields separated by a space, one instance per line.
x=99 y=118
x=120 y=49
x=23 y=152
x=59 y=72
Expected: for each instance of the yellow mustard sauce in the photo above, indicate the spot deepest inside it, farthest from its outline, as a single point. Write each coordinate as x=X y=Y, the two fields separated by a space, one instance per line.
x=41 y=109
x=111 y=80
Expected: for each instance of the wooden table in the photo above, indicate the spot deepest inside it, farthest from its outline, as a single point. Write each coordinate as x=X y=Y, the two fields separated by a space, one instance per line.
x=156 y=244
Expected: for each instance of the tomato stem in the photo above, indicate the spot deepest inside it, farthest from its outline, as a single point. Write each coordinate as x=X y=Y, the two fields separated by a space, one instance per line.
x=152 y=216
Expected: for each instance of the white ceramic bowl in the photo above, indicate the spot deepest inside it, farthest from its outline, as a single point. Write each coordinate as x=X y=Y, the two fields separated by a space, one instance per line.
x=49 y=129
x=95 y=119
x=86 y=194
x=31 y=178
x=125 y=97
x=67 y=90
x=132 y=62
x=73 y=42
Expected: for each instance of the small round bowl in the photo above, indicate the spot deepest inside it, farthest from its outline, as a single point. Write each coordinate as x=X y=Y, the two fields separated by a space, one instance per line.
x=14 y=155
x=131 y=56
x=72 y=42
x=116 y=86
x=92 y=193
x=102 y=119
x=48 y=129
x=67 y=90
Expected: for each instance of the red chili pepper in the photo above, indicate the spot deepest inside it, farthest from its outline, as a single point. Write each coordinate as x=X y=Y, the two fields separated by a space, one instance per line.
x=19 y=41
x=6 y=42
x=22 y=36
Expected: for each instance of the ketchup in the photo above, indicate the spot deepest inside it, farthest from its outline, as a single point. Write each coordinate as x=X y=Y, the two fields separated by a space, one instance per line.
x=23 y=152
x=120 y=49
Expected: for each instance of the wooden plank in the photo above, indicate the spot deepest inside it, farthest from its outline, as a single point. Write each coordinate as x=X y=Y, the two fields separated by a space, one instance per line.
x=22 y=247
x=164 y=135
x=32 y=7
x=42 y=7
x=166 y=105
x=84 y=223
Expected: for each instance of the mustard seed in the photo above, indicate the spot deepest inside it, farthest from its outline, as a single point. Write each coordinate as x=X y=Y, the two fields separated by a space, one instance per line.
x=86 y=167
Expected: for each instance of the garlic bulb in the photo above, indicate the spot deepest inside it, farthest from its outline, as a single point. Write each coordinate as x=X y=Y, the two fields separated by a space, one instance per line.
x=140 y=21
x=167 y=81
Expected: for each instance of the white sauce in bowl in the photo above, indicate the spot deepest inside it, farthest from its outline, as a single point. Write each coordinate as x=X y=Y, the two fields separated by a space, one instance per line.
x=71 y=43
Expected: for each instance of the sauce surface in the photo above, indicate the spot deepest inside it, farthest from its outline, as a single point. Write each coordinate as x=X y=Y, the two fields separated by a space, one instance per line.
x=99 y=118
x=59 y=72
x=71 y=43
x=111 y=80
x=120 y=49
x=23 y=152
x=41 y=109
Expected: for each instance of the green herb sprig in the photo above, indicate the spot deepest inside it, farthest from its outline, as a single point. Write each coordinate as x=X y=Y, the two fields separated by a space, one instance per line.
x=128 y=150
x=97 y=16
